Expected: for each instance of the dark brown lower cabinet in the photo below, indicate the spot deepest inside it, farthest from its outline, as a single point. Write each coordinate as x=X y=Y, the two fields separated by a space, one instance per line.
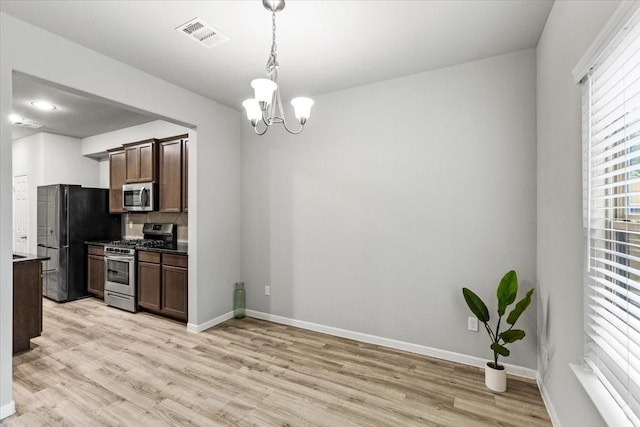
x=95 y=271
x=149 y=285
x=163 y=284
x=174 y=291
x=27 y=303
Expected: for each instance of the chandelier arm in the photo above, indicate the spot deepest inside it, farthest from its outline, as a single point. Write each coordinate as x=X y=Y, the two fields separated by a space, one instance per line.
x=255 y=129
x=290 y=131
x=279 y=108
x=266 y=120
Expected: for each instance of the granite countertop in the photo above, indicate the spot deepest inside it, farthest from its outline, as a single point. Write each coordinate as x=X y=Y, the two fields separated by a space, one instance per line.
x=181 y=249
x=97 y=242
x=23 y=257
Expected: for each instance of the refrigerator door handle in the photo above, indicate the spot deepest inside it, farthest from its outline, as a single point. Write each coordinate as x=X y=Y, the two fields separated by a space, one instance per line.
x=65 y=229
x=57 y=217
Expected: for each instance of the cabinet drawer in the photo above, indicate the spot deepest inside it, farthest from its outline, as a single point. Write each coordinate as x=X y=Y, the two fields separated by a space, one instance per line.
x=145 y=256
x=175 y=260
x=96 y=250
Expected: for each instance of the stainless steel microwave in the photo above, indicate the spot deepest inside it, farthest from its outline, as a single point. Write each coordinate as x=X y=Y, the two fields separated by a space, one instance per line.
x=138 y=196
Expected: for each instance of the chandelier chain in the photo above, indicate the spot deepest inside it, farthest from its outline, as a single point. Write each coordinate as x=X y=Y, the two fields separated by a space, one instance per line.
x=273 y=29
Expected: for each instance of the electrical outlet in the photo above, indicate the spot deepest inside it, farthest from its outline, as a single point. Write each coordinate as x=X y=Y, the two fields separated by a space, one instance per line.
x=130 y=224
x=267 y=290
x=472 y=324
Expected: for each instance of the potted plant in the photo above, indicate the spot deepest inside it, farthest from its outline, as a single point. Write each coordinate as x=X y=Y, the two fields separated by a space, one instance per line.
x=496 y=374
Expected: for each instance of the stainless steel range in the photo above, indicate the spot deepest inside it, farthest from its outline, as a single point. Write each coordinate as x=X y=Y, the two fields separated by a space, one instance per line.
x=120 y=263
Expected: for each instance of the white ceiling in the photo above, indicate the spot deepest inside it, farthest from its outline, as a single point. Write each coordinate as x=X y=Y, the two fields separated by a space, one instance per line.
x=323 y=46
x=76 y=115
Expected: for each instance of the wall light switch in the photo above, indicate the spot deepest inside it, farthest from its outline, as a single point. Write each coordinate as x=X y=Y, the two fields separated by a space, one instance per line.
x=267 y=290
x=130 y=224
x=472 y=324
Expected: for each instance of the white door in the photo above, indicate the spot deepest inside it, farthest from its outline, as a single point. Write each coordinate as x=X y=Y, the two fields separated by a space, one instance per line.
x=20 y=213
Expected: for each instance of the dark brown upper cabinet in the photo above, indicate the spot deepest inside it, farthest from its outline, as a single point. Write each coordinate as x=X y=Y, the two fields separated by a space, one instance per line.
x=185 y=175
x=117 y=176
x=172 y=174
x=141 y=161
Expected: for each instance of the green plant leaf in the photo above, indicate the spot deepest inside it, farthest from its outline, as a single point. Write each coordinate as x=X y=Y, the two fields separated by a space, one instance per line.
x=507 y=291
x=512 y=335
x=477 y=307
x=502 y=351
x=520 y=307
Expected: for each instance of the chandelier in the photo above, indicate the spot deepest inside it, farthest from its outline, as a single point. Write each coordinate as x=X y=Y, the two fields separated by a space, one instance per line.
x=266 y=105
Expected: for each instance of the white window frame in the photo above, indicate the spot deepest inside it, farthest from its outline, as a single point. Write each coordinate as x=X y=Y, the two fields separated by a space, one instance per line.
x=604 y=397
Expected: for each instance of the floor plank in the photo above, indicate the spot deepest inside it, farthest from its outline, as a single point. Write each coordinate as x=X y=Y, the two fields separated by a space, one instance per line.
x=97 y=366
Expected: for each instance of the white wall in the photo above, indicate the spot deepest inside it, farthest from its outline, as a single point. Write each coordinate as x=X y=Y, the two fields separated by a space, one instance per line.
x=395 y=196
x=104 y=173
x=214 y=202
x=51 y=159
x=97 y=145
x=570 y=30
x=64 y=163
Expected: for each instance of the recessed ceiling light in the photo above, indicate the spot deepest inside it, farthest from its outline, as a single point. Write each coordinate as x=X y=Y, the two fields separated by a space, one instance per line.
x=43 y=105
x=14 y=118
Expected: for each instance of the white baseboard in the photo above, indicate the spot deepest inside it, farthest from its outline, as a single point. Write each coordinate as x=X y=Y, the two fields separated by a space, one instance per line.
x=387 y=342
x=192 y=327
x=7 y=410
x=547 y=402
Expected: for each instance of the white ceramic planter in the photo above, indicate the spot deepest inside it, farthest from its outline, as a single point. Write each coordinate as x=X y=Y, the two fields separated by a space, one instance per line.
x=495 y=379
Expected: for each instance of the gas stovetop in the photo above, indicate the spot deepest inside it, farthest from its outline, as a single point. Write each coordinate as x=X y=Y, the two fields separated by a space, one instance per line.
x=161 y=236
x=145 y=243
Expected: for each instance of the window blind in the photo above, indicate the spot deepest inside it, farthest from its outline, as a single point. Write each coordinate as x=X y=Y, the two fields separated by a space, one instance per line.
x=611 y=133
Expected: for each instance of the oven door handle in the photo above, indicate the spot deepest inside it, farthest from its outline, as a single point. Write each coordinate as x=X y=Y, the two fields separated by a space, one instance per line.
x=118 y=258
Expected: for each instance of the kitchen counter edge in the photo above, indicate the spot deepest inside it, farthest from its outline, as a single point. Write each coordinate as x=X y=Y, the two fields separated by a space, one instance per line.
x=181 y=249
x=24 y=257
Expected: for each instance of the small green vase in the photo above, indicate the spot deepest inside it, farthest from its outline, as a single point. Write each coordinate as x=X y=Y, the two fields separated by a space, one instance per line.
x=239 y=301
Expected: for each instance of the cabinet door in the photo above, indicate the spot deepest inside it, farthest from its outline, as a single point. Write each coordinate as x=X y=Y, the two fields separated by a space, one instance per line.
x=95 y=275
x=174 y=291
x=27 y=303
x=132 y=155
x=147 y=164
x=185 y=175
x=117 y=171
x=149 y=285
x=170 y=176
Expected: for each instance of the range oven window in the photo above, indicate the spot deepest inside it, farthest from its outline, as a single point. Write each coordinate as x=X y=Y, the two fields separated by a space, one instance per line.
x=118 y=271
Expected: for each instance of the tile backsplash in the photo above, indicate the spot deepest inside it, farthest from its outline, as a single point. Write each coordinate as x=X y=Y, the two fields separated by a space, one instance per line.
x=132 y=223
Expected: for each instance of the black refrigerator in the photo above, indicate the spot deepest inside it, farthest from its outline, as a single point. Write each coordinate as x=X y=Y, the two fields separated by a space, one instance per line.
x=68 y=215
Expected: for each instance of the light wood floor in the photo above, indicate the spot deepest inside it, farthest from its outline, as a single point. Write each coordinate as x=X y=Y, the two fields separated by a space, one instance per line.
x=96 y=366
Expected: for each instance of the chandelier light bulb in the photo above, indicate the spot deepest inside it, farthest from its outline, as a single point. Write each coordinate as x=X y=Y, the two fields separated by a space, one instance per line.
x=302 y=108
x=253 y=111
x=263 y=89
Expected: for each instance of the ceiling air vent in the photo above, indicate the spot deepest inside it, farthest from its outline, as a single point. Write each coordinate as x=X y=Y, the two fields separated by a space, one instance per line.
x=203 y=33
